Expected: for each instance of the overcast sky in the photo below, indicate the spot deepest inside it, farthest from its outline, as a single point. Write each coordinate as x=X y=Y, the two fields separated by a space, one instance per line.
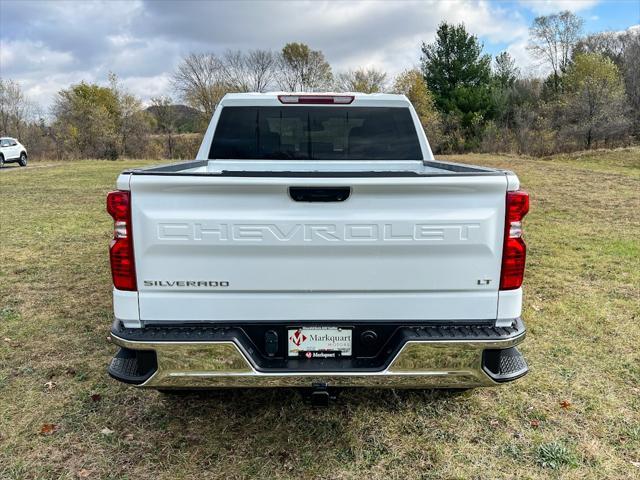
x=49 y=45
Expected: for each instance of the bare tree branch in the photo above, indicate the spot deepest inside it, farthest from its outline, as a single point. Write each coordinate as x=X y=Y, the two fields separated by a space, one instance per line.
x=553 y=38
x=361 y=80
x=200 y=81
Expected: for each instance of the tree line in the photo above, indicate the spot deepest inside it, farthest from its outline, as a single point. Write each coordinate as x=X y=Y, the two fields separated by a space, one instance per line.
x=466 y=100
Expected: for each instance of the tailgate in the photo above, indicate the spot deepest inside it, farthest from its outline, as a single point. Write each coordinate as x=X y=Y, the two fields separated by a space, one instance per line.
x=213 y=248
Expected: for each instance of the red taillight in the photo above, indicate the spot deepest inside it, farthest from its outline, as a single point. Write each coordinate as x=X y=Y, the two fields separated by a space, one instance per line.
x=121 y=248
x=316 y=99
x=514 y=252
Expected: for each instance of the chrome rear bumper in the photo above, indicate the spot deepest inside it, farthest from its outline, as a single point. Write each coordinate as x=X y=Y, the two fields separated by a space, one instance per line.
x=433 y=363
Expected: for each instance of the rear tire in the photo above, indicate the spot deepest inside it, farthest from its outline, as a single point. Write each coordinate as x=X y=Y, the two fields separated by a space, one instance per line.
x=23 y=159
x=1 y=160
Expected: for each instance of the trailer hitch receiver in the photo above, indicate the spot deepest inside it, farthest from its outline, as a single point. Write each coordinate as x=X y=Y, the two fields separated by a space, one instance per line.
x=320 y=395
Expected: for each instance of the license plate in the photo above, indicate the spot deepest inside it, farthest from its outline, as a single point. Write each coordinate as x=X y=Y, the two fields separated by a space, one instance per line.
x=319 y=342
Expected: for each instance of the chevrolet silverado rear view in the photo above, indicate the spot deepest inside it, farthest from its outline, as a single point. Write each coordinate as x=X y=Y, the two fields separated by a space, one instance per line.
x=316 y=242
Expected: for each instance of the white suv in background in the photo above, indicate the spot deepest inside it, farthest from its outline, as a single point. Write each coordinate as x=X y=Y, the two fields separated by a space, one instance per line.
x=11 y=150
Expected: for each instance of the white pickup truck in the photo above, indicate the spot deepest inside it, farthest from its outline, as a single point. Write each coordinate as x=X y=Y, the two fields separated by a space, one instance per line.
x=316 y=242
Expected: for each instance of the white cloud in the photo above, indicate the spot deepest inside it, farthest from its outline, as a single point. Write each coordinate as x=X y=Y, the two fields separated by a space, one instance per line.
x=142 y=42
x=545 y=7
x=147 y=87
x=49 y=45
x=42 y=90
x=401 y=50
x=34 y=56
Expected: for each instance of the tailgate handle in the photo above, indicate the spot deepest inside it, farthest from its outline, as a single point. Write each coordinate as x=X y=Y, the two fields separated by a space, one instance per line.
x=319 y=194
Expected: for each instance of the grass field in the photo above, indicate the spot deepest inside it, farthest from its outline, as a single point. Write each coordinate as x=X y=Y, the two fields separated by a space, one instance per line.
x=576 y=415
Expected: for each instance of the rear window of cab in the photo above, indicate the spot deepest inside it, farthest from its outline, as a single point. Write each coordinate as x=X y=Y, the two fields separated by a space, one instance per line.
x=315 y=133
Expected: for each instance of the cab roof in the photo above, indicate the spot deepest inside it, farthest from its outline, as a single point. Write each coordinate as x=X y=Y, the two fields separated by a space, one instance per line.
x=272 y=99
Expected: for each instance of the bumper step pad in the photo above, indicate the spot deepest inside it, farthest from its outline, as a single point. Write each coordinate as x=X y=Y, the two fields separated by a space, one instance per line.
x=133 y=366
x=504 y=365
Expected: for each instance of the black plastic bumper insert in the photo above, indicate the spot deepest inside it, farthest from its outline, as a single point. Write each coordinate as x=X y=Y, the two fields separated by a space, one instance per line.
x=133 y=366
x=504 y=365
